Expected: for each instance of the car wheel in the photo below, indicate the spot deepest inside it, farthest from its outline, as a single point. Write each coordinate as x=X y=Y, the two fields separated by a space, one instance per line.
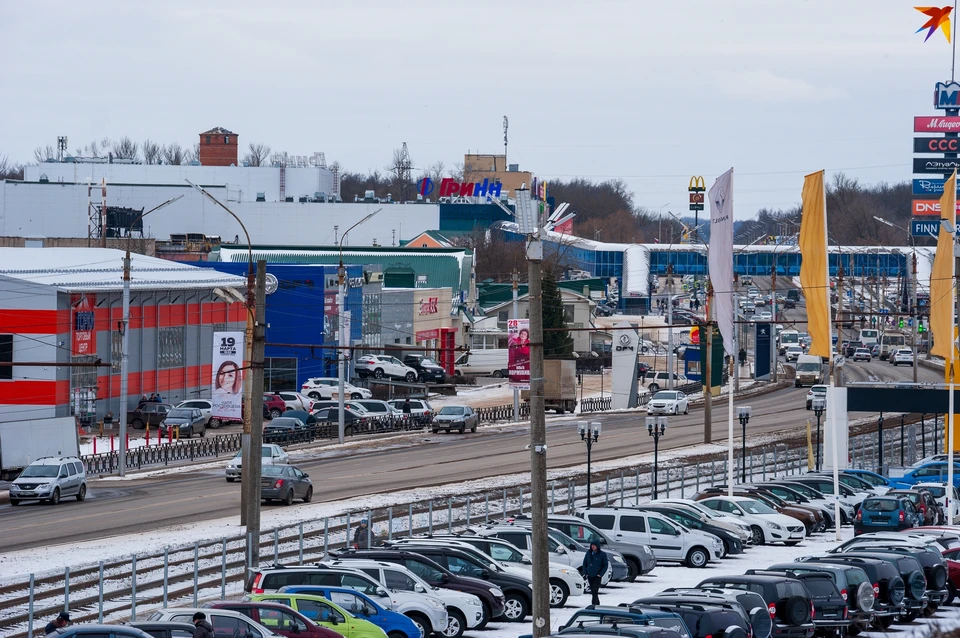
x=215 y=423
x=653 y=387
x=230 y=479
x=309 y=495
x=515 y=608
x=791 y=543
x=558 y=593
x=138 y=424
x=473 y=429
x=55 y=497
x=82 y=494
x=757 y=534
x=686 y=409
x=697 y=557
x=14 y=501
x=462 y=428
x=410 y=377
x=456 y=623
x=356 y=396
x=421 y=623
x=203 y=432
x=884 y=622
x=497 y=374
x=378 y=373
x=274 y=413
x=485 y=616
x=633 y=570
x=436 y=431
x=288 y=499
x=796 y=610
x=314 y=395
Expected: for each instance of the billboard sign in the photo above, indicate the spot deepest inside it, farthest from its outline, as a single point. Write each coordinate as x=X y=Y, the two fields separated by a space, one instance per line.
x=925 y=228
x=936 y=145
x=518 y=352
x=227 y=383
x=935 y=165
x=929 y=207
x=84 y=326
x=945 y=95
x=762 y=349
x=936 y=124
x=696 y=188
x=452 y=188
x=930 y=187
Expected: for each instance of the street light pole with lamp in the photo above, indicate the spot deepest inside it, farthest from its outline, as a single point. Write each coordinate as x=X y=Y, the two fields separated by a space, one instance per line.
x=819 y=406
x=743 y=413
x=656 y=427
x=914 y=316
x=589 y=433
x=343 y=329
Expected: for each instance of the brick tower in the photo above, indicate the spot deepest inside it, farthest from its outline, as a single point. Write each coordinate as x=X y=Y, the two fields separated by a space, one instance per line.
x=219 y=147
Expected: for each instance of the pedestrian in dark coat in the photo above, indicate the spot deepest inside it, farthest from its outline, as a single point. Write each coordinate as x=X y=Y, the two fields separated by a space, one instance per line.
x=360 y=540
x=202 y=628
x=594 y=567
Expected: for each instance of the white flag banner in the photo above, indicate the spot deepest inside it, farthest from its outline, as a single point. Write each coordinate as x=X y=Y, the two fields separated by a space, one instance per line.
x=720 y=259
x=227 y=384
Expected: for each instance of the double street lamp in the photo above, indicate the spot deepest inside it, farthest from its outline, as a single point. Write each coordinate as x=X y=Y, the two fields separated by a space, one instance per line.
x=656 y=427
x=589 y=432
x=743 y=413
x=819 y=405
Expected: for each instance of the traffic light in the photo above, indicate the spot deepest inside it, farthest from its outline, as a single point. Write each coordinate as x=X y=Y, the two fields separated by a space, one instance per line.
x=900 y=324
x=920 y=326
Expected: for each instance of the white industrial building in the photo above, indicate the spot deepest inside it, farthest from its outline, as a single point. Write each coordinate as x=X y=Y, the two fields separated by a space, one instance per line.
x=53 y=200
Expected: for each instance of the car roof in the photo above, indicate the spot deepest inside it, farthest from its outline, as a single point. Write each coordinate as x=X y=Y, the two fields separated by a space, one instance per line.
x=749 y=578
x=54 y=460
x=264 y=604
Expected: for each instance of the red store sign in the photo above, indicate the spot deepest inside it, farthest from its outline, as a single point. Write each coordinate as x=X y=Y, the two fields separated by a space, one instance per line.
x=429 y=307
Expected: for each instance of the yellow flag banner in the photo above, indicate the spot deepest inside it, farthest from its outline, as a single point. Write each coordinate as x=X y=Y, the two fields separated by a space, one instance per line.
x=941 y=278
x=814 y=269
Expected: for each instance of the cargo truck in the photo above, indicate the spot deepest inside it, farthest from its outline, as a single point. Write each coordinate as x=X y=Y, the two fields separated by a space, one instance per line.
x=560 y=385
x=23 y=442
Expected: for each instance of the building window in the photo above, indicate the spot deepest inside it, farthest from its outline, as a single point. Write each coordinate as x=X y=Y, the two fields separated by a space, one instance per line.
x=226 y=139
x=170 y=347
x=208 y=139
x=280 y=374
x=116 y=351
x=488 y=342
x=568 y=313
x=502 y=317
x=408 y=341
x=83 y=376
x=6 y=356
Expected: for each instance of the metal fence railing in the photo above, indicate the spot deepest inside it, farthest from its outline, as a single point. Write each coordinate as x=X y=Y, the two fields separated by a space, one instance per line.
x=186 y=574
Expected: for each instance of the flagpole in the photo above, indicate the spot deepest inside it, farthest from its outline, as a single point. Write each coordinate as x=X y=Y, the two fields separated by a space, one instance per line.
x=953 y=349
x=730 y=467
x=953 y=63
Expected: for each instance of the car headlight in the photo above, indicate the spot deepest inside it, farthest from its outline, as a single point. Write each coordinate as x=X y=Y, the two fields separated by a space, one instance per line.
x=772 y=525
x=565 y=571
x=716 y=542
x=496 y=591
x=436 y=604
x=616 y=559
x=14 y=488
x=474 y=601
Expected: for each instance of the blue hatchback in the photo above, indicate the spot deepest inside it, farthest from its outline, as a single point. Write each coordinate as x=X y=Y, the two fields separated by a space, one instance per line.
x=394 y=624
x=874 y=479
x=935 y=472
x=886 y=513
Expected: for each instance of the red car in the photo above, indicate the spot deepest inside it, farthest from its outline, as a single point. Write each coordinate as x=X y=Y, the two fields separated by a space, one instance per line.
x=275 y=404
x=278 y=618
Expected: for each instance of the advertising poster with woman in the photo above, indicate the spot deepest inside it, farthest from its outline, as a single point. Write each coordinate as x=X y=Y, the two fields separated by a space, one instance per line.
x=227 y=387
x=518 y=349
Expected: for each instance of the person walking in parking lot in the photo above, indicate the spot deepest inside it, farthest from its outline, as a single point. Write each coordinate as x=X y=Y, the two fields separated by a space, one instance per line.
x=62 y=620
x=594 y=567
x=202 y=629
x=364 y=537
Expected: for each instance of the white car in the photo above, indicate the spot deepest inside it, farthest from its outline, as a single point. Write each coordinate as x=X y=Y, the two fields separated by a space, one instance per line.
x=816 y=391
x=794 y=352
x=270 y=454
x=732 y=523
x=766 y=315
x=668 y=402
x=226 y=622
x=206 y=407
x=862 y=354
x=903 y=355
x=767 y=525
x=296 y=401
x=325 y=388
x=380 y=366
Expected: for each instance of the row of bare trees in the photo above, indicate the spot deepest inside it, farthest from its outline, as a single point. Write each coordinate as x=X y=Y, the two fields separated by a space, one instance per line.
x=148 y=151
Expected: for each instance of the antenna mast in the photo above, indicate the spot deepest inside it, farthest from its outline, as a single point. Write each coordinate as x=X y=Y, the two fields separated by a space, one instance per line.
x=506 y=124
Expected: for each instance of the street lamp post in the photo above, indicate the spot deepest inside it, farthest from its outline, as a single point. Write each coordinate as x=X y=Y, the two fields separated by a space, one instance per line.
x=914 y=315
x=589 y=433
x=656 y=427
x=743 y=413
x=819 y=405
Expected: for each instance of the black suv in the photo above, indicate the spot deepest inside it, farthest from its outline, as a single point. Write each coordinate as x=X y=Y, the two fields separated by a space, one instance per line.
x=911 y=573
x=934 y=570
x=731 y=542
x=705 y=618
x=851 y=581
x=427 y=369
x=831 y=614
x=752 y=603
x=432 y=566
x=788 y=601
x=887 y=585
x=624 y=615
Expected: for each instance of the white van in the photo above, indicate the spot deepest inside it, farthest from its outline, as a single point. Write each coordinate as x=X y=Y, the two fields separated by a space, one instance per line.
x=787 y=338
x=869 y=336
x=809 y=370
x=482 y=363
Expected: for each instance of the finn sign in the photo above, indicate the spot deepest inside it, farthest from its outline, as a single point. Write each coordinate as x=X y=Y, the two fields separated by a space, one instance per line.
x=925 y=228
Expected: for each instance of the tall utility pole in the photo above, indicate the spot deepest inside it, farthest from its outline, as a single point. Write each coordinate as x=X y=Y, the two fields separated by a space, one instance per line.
x=538 y=446
x=670 y=326
x=708 y=368
x=773 y=300
x=516 y=312
x=915 y=316
x=247 y=479
x=124 y=363
x=256 y=407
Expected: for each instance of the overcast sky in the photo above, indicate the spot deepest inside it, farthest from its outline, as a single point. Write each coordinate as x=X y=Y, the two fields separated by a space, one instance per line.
x=648 y=91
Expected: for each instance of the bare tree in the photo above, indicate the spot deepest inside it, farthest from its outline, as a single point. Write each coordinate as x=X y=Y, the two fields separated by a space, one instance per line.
x=173 y=153
x=195 y=154
x=257 y=155
x=125 y=148
x=42 y=153
x=9 y=170
x=152 y=152
x=435 y=171
x=456 y=172
x=400 y=168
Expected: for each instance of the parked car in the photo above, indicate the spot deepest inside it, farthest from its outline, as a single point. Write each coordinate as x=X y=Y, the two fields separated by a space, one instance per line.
x=939 y=492
x=393 y=623
x=205 y=406
x=380 y=410
x=670 y=541
x=816 y=391
x=96 y=630
x=270 y=454
x=830 y=611
x=455 y=417
x=927 y=506
x=753 y=606
x=886 y=513
x=420 y=409
x=185 y=422
x=275 y=405
x=902 y=356
x=788 y=601
x=50 y=478
x=930 y=472
x=147 y=413
x=888 y=588
x=226 y=622
x=668 y=402
x=654 y=380
x=327 y=387
x=296 y=401
x=704 y=619
x=561 y=549
x=283 y=619
x=427 y=369
x=285 y=483
x=321 y=611
x=381 y=366
x=852 y=582
x=308 y=419
x=767 y=525
x=625 y=615
x=352 y=419
x=727 y=521
x=732 y=544
x=282 y=428
x=164 y=629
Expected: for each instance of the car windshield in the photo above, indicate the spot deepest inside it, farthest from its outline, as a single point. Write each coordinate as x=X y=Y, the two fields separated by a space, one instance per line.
x=665 y=396
x=451 y=409
x=427 y=361
x=272 y=470
x=40 y=471
x=179 y=413
x=935 y=490
x=881 y=505
x=284 y=421
x=756 y=507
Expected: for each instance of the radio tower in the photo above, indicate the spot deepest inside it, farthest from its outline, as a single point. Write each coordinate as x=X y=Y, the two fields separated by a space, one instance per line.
x=505 y=126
